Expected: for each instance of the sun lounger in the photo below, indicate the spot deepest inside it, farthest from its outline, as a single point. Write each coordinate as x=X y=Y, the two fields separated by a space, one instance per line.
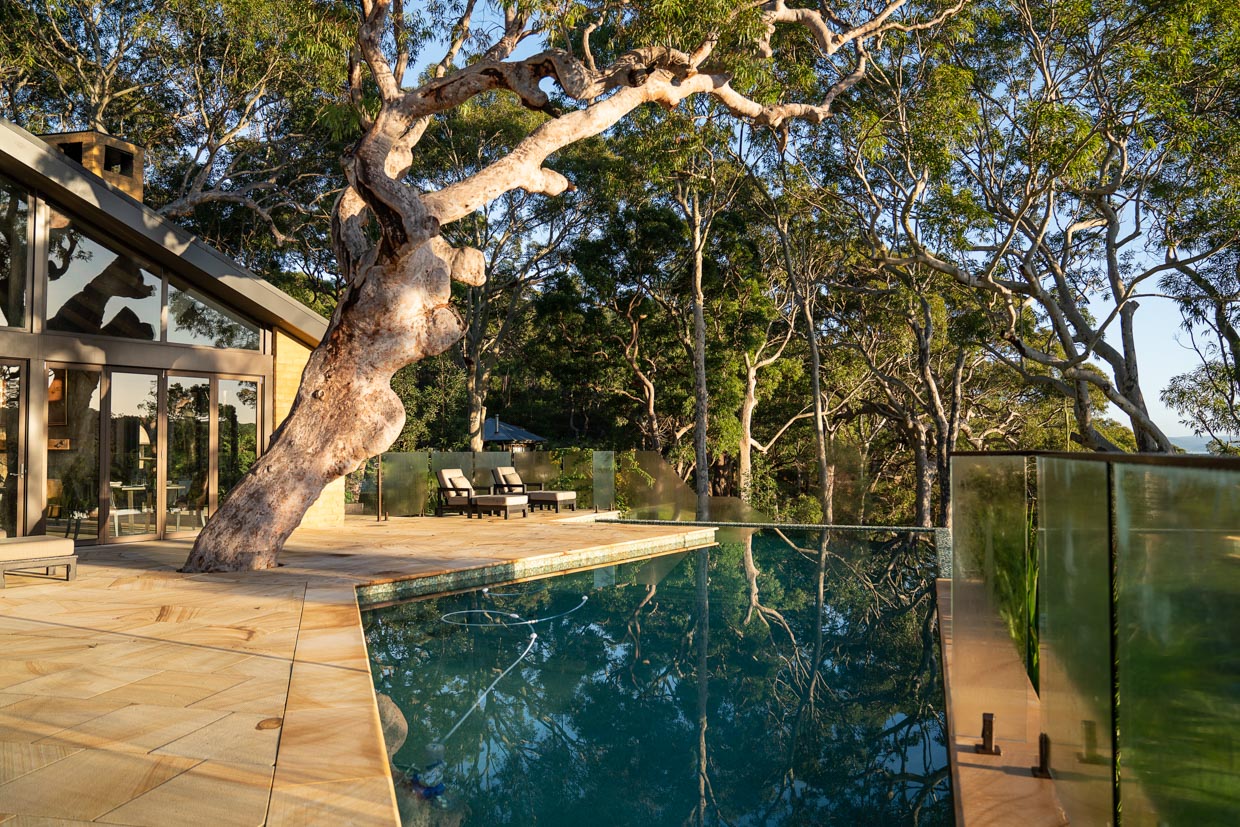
x=508 y=481
x=456 y=493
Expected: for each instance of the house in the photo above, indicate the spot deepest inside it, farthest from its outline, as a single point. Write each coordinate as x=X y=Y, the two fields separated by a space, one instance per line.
x=141 y=371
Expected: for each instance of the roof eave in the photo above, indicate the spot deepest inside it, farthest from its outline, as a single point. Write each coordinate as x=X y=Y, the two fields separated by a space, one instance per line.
x=33 y=163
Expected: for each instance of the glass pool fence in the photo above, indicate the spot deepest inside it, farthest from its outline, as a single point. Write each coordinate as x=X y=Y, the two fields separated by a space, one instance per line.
x=640 y=484
x=1113 y=581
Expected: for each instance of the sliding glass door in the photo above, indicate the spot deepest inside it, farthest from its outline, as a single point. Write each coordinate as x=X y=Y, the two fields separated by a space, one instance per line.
x=189 y=454
x=238 y=438
x=133 y=440
x=73 y=420
x=173 y=446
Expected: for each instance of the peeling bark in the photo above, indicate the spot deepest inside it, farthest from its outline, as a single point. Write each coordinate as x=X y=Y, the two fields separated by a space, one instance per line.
x=345 y=410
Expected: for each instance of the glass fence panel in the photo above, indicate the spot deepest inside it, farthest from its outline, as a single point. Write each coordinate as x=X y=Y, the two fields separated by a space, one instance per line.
x=650 y=489
x=461 y=460
x=735 y=510
x=406 y=483
x=484 y=461
x=361 y=489
x=537 y=467
x=578 y=475
x=991 y=593
x=1178 y=618
x=1075 y=634
x=604 y=480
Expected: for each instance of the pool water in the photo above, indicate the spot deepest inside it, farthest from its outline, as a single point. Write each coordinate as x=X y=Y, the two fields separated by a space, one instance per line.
x=779 y=678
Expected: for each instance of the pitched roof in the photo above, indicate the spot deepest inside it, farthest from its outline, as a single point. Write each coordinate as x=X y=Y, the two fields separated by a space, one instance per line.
x=495 y=431
x=28 y=160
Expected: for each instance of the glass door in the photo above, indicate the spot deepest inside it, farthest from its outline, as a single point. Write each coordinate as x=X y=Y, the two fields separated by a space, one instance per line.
x=133 y=443
x=189 y=454
x=12 y=450
x=73 y=450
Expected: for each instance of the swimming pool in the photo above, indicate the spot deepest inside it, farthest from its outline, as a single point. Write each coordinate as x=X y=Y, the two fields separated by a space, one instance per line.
x=781 y=677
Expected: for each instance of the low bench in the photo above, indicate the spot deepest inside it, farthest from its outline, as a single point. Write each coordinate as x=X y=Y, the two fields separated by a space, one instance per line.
x=24 y=554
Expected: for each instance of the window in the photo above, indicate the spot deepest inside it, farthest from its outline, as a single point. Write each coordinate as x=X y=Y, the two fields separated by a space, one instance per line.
x=14 y=219
x=238 y=431
x=193 y=319
x=96 y=291
x=117 y=161
x=72 y=150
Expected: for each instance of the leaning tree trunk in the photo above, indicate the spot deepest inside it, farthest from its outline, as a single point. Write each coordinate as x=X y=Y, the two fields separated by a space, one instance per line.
x=345 y=410
x=385 y=233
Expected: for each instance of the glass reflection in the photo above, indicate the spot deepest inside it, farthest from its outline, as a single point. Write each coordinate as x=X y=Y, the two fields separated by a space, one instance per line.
x=689 y=688
x=10 y=448
x=73 y=453
x=1177 y=599
x=194 y=319
x=238 y=431
x=134 y=399
x=189 y=447
x=14 y=218
x=95 y=291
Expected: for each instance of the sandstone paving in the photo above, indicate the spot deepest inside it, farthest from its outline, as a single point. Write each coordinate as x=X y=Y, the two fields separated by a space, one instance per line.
x=137 y=695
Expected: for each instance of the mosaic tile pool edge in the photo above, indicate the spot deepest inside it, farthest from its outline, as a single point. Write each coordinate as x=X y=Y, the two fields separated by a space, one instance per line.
x=369 y=596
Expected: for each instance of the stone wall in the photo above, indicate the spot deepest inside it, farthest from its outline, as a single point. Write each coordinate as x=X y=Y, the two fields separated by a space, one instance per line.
x=290 y=359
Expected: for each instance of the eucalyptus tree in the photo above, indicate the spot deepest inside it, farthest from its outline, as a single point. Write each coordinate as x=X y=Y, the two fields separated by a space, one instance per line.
x=813 y=247
x=633 y=271
x=696 y=174
x=763 y=353
x=1207 y=398
x=90 y=61
x=1036 y=165
x=396 y=308
x=237 y=102
x=917 y=351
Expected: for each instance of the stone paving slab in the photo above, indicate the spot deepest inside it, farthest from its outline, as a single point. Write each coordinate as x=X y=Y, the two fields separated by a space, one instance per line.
x=994 y=790
x=136 y=695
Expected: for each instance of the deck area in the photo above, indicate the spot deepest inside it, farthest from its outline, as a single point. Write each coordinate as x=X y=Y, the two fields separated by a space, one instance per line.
x=993 y=790
x=137 y=695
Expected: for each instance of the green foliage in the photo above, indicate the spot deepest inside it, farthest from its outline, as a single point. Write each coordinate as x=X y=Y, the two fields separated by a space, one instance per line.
x=433 y=391
x=1205 y=399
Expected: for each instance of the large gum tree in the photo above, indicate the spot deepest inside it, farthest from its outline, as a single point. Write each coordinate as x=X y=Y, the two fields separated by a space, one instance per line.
x=605 y=59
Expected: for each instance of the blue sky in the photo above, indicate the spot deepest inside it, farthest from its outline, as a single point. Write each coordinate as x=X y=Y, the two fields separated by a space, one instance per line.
x=1162 y=352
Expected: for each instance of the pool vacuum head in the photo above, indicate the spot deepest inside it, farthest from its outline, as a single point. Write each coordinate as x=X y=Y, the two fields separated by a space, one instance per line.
x=429 y=782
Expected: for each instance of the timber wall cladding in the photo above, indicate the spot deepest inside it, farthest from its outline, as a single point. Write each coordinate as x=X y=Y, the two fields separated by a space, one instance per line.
x=290 y=360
